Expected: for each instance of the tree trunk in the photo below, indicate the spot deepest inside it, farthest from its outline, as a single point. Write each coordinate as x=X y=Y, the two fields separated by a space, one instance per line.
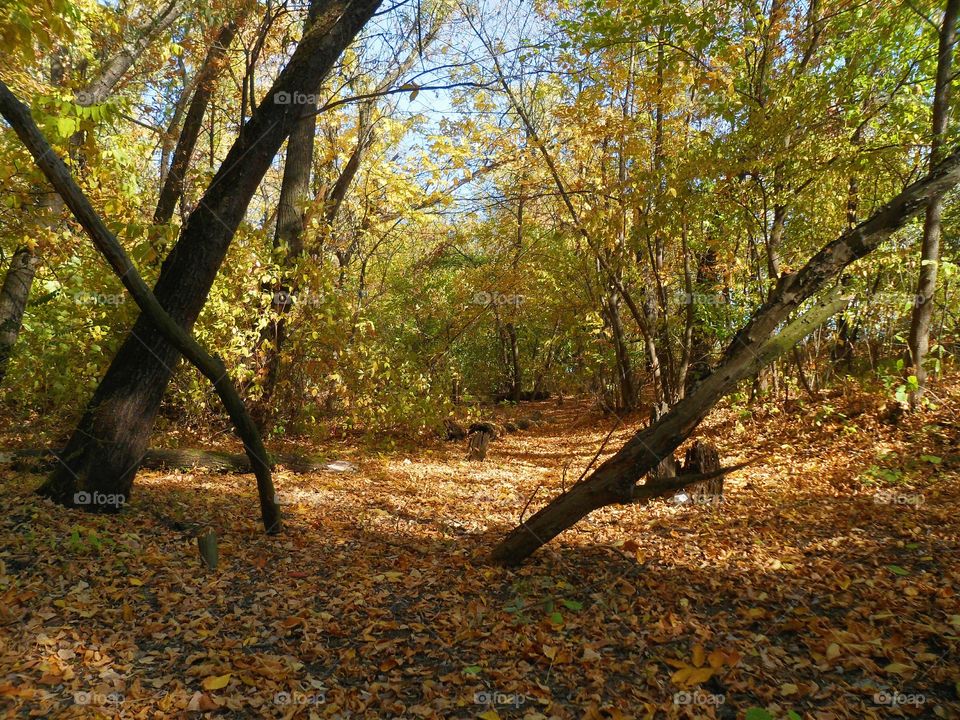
x=753 y=347
x=114 y=69
x=173 y=185
x=628 y=392
x=919 y=340
x=479 y=441
x=105 y=450
x=288 y=238
x=53 y=167
x=13 y=301
x=668 y=468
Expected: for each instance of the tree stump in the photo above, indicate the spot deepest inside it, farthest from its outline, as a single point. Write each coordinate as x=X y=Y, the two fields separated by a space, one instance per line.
x=668 y=467
x=702 y=457
x=479 y=441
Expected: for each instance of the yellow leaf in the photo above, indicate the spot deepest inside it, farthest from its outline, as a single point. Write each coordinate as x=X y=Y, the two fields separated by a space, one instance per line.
x=698 y=655
x=898 y=668
x=716 y=659
x=682 y=676
x=833 y=651
x=489 y=715
x=216 y=682
x=789 y=689
x=136 y=582
x=700 y=675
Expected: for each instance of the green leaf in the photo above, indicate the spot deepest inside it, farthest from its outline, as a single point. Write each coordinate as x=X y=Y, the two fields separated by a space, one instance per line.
x=897 y=570
x=756 y=713
x=472 y=670
x=931 y=459
x=556 y=618
x=791 y=715
x=66 y=126
x=573 y=604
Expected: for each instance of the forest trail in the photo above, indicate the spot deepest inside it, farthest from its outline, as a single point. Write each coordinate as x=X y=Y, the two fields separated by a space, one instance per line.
x=810 y=589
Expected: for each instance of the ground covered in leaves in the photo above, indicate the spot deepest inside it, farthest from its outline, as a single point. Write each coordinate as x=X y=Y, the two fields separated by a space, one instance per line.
x=825 y=586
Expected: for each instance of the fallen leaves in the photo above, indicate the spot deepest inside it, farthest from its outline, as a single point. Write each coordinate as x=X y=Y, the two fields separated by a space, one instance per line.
x=216 y=682
x=378 y=600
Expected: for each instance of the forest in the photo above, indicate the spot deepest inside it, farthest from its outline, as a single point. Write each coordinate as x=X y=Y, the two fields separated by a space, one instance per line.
x=468 y=359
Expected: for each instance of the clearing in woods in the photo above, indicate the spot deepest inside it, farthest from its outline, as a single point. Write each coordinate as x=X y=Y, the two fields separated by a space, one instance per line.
x=825 y=584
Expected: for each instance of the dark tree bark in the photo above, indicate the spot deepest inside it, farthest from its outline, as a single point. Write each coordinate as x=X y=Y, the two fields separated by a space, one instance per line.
x=702 y=459
x=17 y=114
x=105 y=450
x=13 y=301
x=919 y=340
x=753 y=347
x=173 y=183
x=479 y=442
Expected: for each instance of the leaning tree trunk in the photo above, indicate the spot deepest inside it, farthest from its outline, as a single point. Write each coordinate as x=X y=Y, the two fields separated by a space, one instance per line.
x=104 y=451
x=753 y=347
x=18 y=115
x=919 y=340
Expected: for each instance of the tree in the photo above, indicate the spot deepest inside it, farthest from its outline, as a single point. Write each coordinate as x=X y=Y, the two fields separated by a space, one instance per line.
x=104 y=451
x=18 y=280
x=919 y=340
x=53 y=167
x=755 y=345
x=171 y=191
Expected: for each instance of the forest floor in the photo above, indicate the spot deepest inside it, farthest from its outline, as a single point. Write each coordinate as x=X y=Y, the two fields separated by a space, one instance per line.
x=825 y=585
